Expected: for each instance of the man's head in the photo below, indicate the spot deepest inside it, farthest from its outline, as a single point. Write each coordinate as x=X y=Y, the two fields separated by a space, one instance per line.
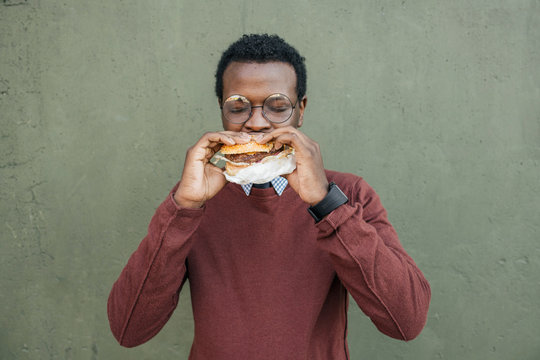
x=261 y=84
x=262 y=48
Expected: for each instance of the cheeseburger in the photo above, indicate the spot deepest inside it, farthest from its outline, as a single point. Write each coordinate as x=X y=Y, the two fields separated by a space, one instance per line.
x=256 y=163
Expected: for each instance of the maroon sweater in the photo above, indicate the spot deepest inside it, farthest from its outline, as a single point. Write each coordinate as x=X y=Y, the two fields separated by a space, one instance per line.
x=266 y=281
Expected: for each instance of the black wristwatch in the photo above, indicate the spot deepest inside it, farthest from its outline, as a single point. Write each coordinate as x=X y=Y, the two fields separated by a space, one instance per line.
x=334 y=199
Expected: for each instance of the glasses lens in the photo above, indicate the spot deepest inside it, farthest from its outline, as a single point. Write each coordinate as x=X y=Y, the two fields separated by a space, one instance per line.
x=278 y=108
x=236 y=109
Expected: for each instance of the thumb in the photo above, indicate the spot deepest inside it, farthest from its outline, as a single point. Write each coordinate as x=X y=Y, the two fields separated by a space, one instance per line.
x=292 y=178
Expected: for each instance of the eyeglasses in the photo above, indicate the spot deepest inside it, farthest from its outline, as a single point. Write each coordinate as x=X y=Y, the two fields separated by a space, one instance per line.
x=276 y=108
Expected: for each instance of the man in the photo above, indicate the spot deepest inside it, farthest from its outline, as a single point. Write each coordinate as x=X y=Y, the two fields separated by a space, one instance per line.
x=268 y=278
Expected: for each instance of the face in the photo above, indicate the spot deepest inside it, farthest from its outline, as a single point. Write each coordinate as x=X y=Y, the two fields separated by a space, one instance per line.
x=256 y=81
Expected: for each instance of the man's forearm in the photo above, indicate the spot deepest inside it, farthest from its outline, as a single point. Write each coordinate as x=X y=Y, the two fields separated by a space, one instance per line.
x=370 y=261
x=146 y=292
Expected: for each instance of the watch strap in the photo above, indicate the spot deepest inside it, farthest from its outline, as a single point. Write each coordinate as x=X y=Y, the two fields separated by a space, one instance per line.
x=334 y=199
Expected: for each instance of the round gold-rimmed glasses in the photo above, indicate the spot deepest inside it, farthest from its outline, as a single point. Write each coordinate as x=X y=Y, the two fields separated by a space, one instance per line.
x=276 y=108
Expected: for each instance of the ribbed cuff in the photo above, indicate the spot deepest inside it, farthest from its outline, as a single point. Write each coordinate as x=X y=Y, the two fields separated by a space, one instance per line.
x=333 y=221
x=174 y=209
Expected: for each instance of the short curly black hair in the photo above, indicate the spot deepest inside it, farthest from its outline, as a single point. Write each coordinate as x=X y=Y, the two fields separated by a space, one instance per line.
x=262 y=48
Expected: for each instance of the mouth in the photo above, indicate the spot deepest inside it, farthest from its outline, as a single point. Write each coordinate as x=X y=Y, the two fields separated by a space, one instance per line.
x=255 y=133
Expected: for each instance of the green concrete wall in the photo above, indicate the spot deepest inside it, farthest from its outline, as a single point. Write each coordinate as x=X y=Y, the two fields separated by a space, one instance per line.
x=435 y=103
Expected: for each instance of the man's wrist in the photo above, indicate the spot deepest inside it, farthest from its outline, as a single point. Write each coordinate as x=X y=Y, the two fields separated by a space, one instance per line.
x=320 y=197
x=334 y=199
x=188 y=204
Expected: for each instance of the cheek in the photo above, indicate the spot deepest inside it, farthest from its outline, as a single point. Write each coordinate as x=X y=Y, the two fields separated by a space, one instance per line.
x=227 y=126
x=293 y=121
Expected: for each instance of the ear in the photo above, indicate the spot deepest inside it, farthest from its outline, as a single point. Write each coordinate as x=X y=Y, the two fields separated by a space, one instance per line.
x=301 y=107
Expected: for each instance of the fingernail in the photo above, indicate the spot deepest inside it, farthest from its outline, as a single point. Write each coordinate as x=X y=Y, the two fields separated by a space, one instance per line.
x=259 y=137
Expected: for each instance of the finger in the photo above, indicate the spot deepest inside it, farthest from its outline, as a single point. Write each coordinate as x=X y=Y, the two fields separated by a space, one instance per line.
x=292 y=178
x=211 y=139
x=258 y=136
x=234 y=133
x=240 y=137
x=235 y=136
x=215 y=140
x=265 y=137
x=207 y=144
x=295 y=140
x=210 y=153
x=278 y=133
x=215 y=169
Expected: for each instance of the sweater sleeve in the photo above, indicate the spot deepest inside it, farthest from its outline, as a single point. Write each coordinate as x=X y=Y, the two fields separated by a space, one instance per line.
x=373 y=266
x=146 y=293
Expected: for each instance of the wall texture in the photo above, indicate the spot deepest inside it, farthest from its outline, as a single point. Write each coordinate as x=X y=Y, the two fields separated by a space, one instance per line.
x=438 y=100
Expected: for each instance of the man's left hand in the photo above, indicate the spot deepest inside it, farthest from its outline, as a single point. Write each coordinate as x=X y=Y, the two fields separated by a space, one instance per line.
x=308 y=179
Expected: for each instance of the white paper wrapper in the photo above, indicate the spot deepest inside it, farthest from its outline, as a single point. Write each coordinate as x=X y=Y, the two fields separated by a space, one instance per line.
x=264 y=171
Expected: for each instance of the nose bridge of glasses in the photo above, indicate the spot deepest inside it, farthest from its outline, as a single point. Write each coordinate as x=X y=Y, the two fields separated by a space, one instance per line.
x=257 y=117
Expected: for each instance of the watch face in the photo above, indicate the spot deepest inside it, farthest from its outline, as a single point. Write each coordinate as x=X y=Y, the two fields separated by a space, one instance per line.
x=334 y=199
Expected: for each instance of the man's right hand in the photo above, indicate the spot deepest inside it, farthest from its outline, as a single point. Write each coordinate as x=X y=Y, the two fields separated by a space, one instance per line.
x=200 y=179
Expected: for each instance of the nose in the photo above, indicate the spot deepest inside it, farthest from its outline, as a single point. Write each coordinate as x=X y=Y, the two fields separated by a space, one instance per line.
x=257 y=122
